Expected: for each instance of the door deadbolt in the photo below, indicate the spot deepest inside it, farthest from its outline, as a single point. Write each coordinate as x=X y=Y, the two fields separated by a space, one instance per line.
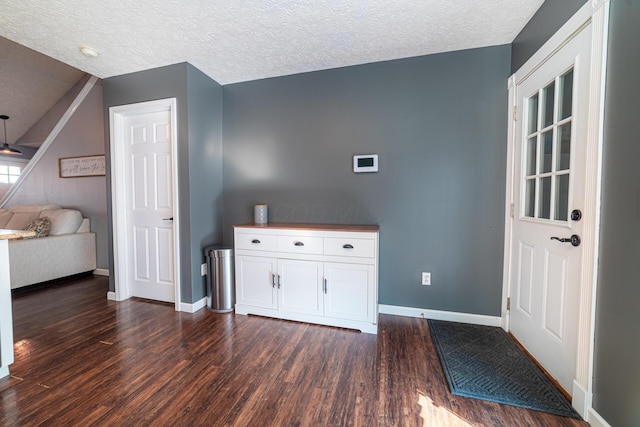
x=576 y=215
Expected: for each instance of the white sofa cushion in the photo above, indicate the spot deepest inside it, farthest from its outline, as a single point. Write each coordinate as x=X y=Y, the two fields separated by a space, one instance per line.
x=63 y=221
x=20 y=220
x=19 y=216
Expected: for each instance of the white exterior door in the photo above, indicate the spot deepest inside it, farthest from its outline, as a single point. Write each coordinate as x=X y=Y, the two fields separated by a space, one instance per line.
x=143 y=173
x=548 y=199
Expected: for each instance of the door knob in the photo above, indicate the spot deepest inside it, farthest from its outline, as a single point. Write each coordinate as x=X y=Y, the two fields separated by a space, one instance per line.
x=167 y=219
x=574 y=240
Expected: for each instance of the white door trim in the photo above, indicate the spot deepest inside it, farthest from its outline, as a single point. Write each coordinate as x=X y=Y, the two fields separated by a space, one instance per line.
x=595 y=13
x=117 y=117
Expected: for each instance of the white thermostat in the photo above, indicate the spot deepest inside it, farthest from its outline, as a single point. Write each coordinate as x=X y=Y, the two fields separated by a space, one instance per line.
x=365 y=163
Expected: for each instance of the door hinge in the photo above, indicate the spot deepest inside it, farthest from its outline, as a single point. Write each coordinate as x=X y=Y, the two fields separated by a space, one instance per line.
x=508 y=303
x=512 y=210
x=515 y=113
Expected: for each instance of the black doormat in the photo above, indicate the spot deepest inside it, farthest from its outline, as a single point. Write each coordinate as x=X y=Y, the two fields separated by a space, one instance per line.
x=483 y=362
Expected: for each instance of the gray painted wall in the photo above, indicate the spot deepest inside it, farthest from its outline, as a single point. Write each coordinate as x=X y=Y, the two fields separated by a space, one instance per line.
x=547 y=20
x=617 y=349
x=438 y=124
x=197 y=141
x=82 y=136
x=204 y=170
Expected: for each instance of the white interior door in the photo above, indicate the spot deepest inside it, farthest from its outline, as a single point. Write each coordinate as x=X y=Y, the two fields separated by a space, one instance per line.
x=144 y=175
x=549 y=185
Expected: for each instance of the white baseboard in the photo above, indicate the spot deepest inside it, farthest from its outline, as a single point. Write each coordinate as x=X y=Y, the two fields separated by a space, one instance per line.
x=101 y=272
x=186 y=307
x=451 y=316
x=596 y=420
x=580 y=399
x=192 y=308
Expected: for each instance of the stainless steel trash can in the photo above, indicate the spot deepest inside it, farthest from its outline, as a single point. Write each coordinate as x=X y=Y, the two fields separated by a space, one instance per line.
x=220 y=281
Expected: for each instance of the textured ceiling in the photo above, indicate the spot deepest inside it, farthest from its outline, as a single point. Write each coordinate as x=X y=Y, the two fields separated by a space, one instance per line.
x=240 y=40
x=229 y=40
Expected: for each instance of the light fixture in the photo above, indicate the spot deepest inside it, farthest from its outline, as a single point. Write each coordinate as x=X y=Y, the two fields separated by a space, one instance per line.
x=5 y=147
x=89 y=52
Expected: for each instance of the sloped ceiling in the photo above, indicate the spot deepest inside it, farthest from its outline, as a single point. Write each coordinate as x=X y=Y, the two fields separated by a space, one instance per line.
x=30 y=84
x=229 y=40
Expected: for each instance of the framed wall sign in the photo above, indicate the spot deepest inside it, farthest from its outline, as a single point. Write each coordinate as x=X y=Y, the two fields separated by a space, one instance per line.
x=74 y=167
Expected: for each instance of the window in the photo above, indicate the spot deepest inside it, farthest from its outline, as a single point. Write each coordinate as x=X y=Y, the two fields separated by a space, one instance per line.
x=9 y=174
x=547 y=150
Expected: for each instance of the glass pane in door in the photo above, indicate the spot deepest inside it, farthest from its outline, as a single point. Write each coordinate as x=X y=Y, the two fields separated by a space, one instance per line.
x=566 y=88
x=531 y=155
x=548 y=94
x=546 y=151
x=530 y=198
x=563 y=155
x=562 y=197
x=533 y=114
x=544 y=209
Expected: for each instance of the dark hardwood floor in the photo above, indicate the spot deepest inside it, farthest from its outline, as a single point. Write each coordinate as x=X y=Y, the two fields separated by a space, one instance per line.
x=83 y=361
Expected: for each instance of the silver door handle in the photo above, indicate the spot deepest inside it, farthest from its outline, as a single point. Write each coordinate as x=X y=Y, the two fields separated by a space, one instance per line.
x=325 y=286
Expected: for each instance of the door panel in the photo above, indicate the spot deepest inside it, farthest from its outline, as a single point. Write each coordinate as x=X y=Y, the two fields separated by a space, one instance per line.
x=255 y=281
x=300 y=289
x=555 y=291
x=525 y=279
x=349 y=291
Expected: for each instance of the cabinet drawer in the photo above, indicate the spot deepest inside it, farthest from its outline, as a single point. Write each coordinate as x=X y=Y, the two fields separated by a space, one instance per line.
x=256 y=242
x=300 y=244
x=365 y=248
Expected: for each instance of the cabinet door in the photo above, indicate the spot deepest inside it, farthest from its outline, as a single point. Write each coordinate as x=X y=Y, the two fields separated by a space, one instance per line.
x=255 y=281
x=349 y=291
x=300 y=286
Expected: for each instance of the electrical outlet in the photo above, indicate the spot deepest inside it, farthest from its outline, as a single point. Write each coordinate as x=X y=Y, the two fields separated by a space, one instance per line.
x=426 y=278
x=203 y=269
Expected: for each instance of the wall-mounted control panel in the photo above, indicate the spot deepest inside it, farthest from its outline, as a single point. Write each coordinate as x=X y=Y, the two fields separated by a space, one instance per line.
x=365 y=163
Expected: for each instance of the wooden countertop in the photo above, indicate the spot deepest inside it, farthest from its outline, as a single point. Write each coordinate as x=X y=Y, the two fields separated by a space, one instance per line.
x=15 y=234
x=306 y=226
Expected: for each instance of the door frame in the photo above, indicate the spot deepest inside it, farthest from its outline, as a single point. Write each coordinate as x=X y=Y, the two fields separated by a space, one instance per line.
x=117 y=116
x=595 y=13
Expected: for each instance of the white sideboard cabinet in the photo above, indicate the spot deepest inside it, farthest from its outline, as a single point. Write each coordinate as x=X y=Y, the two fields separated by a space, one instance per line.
x=316 y=273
